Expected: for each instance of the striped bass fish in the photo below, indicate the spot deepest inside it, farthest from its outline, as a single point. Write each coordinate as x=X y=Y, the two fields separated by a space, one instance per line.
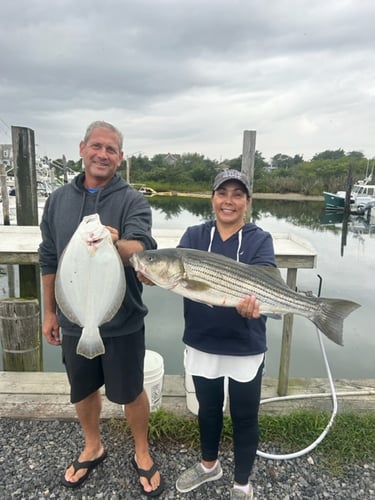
x=90 y=283
x=220 y=281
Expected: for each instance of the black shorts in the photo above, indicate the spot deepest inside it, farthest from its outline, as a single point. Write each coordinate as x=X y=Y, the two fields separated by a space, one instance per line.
x=119 y=369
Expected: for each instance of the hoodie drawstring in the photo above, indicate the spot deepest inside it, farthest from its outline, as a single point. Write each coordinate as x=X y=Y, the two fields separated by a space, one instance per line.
x=212 y=234
x=97 y=199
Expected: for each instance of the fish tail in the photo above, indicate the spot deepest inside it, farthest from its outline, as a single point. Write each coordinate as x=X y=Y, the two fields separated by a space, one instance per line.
x=330 y=315
x=90 y=344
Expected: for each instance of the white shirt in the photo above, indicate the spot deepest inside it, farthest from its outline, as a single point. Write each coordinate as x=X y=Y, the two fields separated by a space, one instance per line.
x=239 y=368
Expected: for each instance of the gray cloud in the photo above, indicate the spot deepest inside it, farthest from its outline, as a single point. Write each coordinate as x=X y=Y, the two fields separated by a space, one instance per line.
x=191 y=75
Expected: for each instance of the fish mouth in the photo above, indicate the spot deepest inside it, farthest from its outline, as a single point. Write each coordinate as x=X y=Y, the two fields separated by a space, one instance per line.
x=94 y=242
x=135 y=262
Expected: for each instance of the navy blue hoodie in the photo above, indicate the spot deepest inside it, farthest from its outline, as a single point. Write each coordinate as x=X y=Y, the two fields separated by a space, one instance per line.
x=119 y=206
x=221 y=330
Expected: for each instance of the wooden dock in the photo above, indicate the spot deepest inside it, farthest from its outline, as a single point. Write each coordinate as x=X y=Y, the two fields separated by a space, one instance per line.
x=45 y=395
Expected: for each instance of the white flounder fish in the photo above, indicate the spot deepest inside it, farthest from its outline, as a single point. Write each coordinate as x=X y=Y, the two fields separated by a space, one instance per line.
x=90 y=283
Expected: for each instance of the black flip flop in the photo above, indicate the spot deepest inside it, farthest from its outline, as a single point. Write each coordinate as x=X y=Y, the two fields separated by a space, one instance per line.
x=89 y=465
x=148 y=475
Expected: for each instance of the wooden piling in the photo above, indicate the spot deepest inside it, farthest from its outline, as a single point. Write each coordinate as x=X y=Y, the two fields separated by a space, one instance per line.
x=25 y=176
x=348 y=191
x=65 y=169
x=6 y=221
x=248 y=161
x=26 y=199
x=286 y=343
x=19 y=335
x=4 y=195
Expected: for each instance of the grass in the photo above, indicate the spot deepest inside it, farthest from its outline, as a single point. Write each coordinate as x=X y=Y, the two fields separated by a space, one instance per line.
x=350 y=440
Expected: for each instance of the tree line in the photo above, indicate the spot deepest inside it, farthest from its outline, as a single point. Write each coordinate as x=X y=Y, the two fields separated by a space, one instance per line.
x=329 y=170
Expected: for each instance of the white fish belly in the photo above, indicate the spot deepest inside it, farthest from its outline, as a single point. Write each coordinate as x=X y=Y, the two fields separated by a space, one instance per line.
x=90 y=282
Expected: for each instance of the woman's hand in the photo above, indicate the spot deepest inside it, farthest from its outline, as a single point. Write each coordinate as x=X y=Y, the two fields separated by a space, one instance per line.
x=248 y=307
x=144 y=280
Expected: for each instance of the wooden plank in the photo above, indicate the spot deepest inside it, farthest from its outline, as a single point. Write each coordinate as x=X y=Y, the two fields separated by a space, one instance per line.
x=19 y=244
x=45 y=395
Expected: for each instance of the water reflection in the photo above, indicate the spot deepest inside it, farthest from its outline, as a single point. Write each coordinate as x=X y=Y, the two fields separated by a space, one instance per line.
x=361 y=226
x=304 y=214
x=173 y=206
x=298 y=213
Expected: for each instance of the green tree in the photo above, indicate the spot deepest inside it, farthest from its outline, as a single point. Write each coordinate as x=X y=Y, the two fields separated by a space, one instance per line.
x=282 y=161
x=329 y=155
x=355 y=155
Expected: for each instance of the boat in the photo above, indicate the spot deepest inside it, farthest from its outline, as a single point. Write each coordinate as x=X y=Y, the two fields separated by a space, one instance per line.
x=145 y=190
x=361 y=195
x=335 y=201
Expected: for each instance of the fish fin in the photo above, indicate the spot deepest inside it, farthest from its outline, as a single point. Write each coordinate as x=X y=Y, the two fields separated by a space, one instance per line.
x=330 y=317
x=90 y=343
x=273 y=315
x=194 y=285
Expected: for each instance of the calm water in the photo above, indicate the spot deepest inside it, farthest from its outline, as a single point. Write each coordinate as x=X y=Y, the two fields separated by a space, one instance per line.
x=347 y=271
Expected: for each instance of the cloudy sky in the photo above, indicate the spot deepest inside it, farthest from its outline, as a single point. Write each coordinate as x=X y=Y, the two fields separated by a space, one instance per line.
x=187 y=76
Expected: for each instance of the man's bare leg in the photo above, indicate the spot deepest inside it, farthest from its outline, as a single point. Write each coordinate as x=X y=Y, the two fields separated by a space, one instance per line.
x=137 y=414
x=88 y=411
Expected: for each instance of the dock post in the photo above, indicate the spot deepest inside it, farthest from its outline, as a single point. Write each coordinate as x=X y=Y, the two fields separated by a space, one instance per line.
x=26 y=199
x=4 y=195
x=19 y=335
x=286 y=343
x=6 y=221
x=23 y=142
x=248 y=161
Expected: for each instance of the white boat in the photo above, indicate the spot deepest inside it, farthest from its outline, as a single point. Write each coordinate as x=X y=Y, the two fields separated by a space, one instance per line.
x=361 y=196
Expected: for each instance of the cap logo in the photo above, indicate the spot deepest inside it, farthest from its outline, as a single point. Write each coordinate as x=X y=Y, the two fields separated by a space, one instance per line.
x=232 y=174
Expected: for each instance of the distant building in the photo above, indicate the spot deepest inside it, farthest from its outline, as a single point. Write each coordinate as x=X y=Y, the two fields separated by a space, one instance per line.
x=223 y=166
x=171 y=159
x=6 y=154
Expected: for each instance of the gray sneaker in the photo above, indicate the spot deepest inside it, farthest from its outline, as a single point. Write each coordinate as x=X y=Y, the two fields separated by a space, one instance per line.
x=195 y=476
x=236 y=494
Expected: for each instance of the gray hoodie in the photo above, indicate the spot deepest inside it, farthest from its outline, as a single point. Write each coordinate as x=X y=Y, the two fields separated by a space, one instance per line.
x=119 y=206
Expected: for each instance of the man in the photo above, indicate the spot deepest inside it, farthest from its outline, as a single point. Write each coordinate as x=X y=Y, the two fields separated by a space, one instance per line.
x=127 y=215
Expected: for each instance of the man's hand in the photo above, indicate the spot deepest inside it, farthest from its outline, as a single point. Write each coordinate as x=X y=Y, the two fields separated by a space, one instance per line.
x=51 y=330
x=144 y=280
x=114 y=233
x=248 y=307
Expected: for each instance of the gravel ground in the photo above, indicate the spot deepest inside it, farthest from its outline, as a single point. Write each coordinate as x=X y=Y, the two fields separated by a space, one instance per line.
x=34 y=455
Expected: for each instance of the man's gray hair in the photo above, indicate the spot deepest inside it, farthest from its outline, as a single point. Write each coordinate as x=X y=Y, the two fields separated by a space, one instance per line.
x=106 y=125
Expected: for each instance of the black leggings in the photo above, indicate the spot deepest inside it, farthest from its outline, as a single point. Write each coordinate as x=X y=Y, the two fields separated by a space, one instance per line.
x=244 y=398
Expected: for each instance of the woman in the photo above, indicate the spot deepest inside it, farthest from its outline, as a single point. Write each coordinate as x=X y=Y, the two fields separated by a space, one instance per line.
x=227 y=342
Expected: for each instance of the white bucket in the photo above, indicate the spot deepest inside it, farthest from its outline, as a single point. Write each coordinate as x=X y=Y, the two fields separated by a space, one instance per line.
x=191 y=398
x=153 y=378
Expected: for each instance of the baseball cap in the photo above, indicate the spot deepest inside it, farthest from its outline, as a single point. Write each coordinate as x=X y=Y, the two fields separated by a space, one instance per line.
x=231 y=175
